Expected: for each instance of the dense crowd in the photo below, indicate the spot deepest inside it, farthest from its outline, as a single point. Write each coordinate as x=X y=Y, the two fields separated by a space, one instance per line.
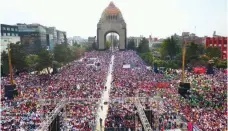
x=79 y=115
x=121 y=115
x=205 y=107
x=75 y=80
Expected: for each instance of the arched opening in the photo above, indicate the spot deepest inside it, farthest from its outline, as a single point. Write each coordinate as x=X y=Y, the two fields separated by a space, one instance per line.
x=111 y=40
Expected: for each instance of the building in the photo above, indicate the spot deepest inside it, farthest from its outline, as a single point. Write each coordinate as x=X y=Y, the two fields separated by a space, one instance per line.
x=50 y=41
x=9 y=34
x=77 y=39
x=61 y=37
x=91 y=40
x=52 y=31
x=33 y=34
x=217 y=41
x=191 y=37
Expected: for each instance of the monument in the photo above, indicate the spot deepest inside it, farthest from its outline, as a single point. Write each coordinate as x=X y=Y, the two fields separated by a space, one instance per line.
x=111 y=21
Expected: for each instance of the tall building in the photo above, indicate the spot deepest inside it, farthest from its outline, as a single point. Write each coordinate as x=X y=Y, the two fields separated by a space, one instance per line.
x=33 y=34
x=61 y=37
x=52 y=31
x=217 y=41
x=9 y=34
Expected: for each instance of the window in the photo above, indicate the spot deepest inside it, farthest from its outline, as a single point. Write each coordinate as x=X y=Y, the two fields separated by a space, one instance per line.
x=8 y=28
x=12 y=29
x=219 y=44
x=3 y=28
x=224 y=45
x=210 y=44
x=8 y=34
x=4 y=34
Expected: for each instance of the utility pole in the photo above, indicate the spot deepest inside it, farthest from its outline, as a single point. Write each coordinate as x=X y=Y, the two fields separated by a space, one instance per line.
x=183 y=61
x=10 y=65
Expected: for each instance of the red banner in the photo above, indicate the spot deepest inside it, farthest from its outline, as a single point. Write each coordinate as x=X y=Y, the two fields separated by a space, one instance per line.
x=199 y=70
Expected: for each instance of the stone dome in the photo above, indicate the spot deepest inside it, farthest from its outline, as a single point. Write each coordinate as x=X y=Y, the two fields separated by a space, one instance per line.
x=111 y=9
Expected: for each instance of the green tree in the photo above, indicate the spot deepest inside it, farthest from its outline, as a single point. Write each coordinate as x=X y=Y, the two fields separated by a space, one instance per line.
x=107 y=44
x=18 y=55
x=143 y=46
x=32 y=61
x=213 y=52
x=94 y=47
x=131 y=45
x=44 y=61
x=62 y=53
x=193 y=51
x=4 y=63
x=169 y=48
x=76 y=44
x=147 y=57
x=221 y=64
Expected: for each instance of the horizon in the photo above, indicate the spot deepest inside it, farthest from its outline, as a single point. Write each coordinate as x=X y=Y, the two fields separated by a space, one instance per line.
x=160 y=19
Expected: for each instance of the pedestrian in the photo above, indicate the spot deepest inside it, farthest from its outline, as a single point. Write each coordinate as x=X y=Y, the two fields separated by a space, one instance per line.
x=100 y=122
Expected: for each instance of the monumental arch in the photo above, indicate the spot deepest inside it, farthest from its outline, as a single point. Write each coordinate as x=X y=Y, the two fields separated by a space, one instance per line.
x=111 y=21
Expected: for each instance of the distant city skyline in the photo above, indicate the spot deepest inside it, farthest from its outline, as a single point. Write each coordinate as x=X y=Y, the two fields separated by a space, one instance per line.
x=159 y=18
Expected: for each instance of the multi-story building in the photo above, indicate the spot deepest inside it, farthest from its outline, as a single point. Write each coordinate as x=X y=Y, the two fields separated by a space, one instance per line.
x=9 y=34
x=61 y=37
x=50 y=41
x=217 y=41
x=91 y=40
x=77 y=39
x=33 y=34
x=52 y=31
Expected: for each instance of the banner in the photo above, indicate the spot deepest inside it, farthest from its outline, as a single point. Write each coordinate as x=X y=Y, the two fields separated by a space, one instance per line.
x=199 y=70
x=126 y=66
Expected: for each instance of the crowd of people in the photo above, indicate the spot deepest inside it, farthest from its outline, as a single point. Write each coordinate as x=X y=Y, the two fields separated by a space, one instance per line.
x=204 y=108
x=121 y=115
x=75 y=80
x=79 y=115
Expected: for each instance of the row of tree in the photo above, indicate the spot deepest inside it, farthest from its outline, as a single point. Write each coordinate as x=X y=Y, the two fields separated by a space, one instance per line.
x=40 y=58
x=170 y=53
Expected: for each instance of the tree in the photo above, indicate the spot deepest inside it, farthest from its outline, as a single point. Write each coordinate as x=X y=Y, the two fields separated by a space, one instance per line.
x=32 y=61
x=94 y=47
x=143 y=46
x=213 y=52
x=169 y=48
x=76 y=44
x=18 y=55
x=4 y=63
x=147 y=57
x=107 y=44
x=193 y=51
x=62 y=53
x=77 y=52
x=44 y=61
x=131 y=45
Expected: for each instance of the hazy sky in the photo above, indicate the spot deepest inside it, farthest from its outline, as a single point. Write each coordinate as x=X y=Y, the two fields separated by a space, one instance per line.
x=161 y=18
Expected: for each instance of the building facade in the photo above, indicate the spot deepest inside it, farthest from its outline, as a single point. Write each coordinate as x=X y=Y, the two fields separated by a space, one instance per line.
x=33 y=34
x=220 y=42
x=9 y=34
x=61 y=37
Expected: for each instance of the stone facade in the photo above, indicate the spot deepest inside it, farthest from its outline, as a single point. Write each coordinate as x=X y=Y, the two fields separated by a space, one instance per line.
x=111 y=21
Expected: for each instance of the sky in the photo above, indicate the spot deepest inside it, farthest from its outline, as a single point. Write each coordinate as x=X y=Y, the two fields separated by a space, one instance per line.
x=159 y=18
